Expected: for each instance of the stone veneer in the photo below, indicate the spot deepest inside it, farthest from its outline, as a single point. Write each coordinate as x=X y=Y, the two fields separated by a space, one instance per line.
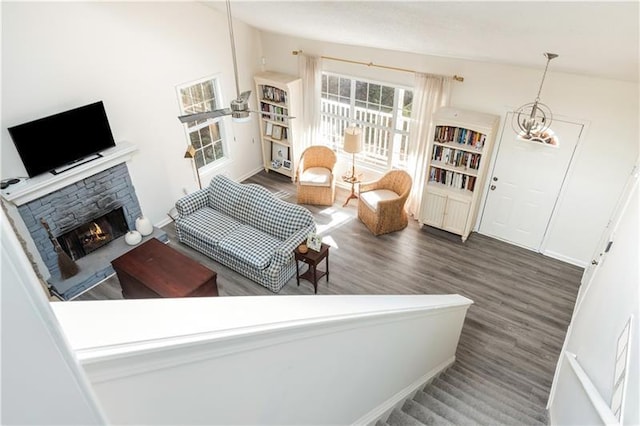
x=75 y=205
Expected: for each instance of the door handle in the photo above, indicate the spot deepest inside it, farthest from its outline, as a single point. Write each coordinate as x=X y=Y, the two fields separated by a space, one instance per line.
x=493 y=187
x=594 y=262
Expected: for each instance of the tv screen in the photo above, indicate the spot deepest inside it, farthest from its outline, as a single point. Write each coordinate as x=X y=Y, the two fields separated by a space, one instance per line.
x=51 y=142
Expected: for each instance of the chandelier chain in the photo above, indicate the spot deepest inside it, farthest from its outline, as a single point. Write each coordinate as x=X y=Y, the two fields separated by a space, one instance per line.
x=544 y=75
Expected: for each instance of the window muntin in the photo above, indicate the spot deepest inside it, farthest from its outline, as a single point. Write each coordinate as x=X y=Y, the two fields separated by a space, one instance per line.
x=381 y=110
x=206 y=136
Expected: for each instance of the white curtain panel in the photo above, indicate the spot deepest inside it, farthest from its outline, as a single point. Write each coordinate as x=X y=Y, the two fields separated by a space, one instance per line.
x=430 y=93
x=310 y=69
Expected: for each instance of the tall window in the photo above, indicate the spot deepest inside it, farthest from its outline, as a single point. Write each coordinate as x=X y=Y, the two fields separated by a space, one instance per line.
x=381 y=110
x=204 y=135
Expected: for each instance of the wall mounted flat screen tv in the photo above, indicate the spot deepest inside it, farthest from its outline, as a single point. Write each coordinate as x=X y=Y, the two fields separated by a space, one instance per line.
x=62 y=139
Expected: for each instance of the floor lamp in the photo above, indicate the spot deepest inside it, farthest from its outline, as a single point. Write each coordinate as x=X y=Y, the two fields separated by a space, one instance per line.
x=352 y=145
x=190 y=153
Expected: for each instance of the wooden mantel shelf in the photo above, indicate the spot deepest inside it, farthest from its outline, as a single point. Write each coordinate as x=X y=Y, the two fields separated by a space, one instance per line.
x=38 y=186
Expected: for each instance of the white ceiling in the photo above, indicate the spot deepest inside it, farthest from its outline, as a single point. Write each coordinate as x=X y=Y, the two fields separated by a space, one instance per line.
x=592 y=38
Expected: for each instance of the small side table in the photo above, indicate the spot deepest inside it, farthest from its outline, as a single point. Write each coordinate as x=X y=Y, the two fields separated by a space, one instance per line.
x=312 y=258
x=353 y=180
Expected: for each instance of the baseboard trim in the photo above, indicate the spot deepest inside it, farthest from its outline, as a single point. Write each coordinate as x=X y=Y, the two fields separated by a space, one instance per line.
x=567 y=259
x=383 y=410
x=163 y=222
x=249 y=174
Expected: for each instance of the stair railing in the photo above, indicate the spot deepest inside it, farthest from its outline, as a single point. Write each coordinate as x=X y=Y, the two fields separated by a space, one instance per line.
x=598 y=402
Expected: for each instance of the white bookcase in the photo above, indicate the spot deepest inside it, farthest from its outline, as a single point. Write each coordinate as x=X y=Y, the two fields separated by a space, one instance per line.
x=459 y=155
x=281 y=137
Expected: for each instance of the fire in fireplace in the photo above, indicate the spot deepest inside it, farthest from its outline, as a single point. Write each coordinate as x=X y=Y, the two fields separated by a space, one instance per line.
x=94 y=234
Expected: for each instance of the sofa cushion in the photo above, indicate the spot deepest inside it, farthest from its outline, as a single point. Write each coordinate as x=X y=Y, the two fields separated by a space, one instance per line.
x=272 y=215
x=229 y=197
x=316 y=176
x=280 y=219
x=372 y=198
x=250 y=245
x=209 y=225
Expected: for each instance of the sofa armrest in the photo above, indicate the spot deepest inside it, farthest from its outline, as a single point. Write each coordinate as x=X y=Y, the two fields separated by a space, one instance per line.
x=284 y=251
x=192 y=202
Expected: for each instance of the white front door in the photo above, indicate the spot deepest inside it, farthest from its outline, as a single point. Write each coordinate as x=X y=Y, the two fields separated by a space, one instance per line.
x=525 y=183
x=608 y=236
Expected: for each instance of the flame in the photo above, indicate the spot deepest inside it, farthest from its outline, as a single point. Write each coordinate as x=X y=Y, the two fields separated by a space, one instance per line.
x=96 y=232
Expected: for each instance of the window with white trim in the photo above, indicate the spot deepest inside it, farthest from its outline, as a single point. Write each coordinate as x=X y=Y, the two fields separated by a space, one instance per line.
x=383 y=111
x=206 y=136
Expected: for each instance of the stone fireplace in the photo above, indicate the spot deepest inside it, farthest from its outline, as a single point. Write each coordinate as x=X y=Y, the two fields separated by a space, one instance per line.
x=88 y=211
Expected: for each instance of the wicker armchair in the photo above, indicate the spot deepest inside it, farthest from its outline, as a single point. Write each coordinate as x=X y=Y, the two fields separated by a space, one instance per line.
x=314 y=176
x=381 y=203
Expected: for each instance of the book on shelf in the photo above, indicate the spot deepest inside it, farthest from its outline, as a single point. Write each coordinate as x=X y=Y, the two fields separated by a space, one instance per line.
x=273 y=113
x=446 y=134
x=452 y=179
x=273 y=94
x=456 y=157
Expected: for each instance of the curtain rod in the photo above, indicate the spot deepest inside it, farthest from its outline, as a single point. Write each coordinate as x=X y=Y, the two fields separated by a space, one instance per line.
x=371 y=64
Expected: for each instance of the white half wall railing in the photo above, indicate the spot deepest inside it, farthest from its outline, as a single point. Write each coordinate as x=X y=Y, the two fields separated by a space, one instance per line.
x=261 y=360
x=580 y=388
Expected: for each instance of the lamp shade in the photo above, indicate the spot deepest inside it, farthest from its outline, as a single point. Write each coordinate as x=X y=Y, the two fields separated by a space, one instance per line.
x=190 y=152
x=352 y=140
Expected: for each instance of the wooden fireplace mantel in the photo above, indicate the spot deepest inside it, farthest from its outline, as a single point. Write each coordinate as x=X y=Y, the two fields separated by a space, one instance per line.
x=33 y=188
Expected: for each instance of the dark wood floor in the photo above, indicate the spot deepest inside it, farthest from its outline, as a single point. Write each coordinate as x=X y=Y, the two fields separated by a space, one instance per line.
x=523 y=300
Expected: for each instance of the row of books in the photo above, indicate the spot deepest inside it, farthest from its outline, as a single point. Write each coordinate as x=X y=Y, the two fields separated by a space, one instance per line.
x=274 y=94
x=452 y=179
x=459 y=135
x=456 y=157
x=271 y=111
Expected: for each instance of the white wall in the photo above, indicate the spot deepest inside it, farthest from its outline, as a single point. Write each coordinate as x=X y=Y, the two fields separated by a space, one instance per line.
x=131 y=55
x=261 y=360
x=612 y=296
x=42 y=382
x=604 y=157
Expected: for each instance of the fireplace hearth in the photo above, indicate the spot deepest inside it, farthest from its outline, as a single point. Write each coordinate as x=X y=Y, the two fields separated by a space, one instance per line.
x=94 y=234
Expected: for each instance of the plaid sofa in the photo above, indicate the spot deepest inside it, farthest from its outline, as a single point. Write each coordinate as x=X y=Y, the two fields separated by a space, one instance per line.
x=246 y=228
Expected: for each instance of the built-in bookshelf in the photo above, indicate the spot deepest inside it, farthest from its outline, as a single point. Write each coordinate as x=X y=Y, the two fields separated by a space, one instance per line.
x=459 y=153
x=280 y=99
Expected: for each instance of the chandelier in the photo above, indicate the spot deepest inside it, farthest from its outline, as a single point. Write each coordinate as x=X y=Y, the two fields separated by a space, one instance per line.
x=531 y=121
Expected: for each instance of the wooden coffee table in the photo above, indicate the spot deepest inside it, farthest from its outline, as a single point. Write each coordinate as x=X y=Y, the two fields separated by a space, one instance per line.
x=153 y=269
